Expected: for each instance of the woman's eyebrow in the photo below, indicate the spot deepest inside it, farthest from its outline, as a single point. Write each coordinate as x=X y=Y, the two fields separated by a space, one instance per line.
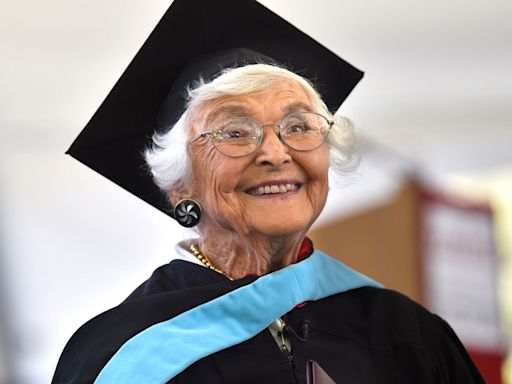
x=236 y=110
x=229 y=111
x=298 y=106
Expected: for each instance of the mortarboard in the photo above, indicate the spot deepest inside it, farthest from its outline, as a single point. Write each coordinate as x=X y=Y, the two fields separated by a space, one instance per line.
x=195 y=38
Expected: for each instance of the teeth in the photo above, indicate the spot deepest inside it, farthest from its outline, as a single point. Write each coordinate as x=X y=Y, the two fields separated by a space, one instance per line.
x=271 y=189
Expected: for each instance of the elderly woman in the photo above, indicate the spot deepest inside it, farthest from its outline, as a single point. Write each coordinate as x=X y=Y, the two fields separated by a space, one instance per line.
x=254 y=149
x=249 y=300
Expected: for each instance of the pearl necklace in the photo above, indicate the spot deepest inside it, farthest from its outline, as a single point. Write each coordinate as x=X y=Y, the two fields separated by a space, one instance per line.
x=206 y=262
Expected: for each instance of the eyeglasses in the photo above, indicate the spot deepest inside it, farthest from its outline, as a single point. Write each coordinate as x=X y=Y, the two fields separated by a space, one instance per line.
x=241 y=136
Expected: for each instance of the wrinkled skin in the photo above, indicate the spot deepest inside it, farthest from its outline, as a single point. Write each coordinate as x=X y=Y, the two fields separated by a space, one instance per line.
x=241 y=232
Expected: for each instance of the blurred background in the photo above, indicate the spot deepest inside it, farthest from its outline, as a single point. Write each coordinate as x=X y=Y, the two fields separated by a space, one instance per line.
x=428 y=213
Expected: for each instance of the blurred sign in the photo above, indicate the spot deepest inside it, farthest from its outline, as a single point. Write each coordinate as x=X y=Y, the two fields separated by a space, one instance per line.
x=460 y=273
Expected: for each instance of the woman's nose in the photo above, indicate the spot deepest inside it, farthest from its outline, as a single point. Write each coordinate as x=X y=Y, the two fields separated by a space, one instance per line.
x=272 y=150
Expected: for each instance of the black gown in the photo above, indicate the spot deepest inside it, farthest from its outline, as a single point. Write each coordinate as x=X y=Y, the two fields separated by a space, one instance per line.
x=365 y=335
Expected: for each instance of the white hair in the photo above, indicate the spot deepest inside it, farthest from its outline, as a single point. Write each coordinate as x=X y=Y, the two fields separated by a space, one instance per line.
x=168 y=158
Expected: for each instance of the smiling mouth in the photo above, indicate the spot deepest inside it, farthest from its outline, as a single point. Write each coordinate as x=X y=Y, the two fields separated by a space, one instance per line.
x=273 y=189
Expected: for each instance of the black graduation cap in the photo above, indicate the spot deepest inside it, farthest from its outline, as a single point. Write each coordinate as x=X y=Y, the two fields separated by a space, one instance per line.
x=195 y=38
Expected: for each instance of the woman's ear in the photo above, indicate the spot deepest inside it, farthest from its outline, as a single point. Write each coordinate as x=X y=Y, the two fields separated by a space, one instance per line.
x=182 y=190
x=177 y=193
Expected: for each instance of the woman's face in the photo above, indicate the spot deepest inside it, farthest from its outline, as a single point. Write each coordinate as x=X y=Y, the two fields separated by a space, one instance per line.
x=230 y=189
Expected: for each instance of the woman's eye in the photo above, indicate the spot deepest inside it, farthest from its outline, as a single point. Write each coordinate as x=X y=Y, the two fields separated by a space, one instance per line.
x=232 y=134
x=298 y=128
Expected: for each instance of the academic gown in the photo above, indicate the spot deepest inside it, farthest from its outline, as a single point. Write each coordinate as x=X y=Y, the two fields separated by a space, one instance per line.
x=362 y=335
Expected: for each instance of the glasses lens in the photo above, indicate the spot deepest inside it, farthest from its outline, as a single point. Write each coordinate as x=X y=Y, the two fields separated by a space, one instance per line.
x=237 y=137
x=305 y=131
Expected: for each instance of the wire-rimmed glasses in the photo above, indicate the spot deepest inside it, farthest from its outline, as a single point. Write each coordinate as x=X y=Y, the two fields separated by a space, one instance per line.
x=241 y=136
